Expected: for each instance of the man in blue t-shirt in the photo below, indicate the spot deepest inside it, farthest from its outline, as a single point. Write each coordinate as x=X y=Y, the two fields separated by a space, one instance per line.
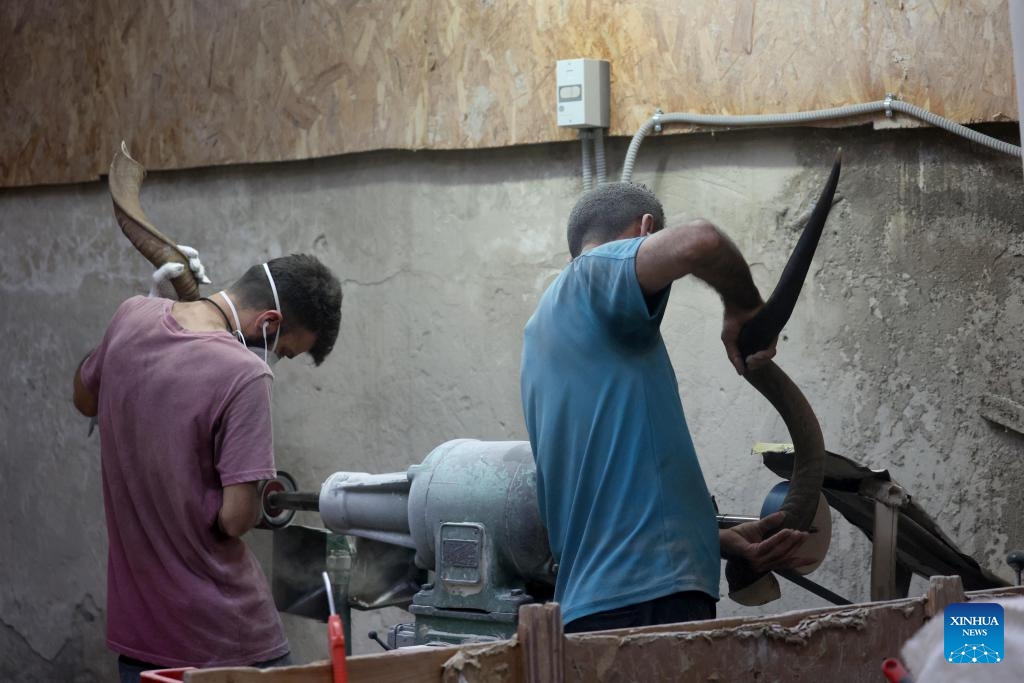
x=629 y=518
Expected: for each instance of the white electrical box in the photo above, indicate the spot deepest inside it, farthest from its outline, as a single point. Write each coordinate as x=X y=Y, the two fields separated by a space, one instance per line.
x=583 y=86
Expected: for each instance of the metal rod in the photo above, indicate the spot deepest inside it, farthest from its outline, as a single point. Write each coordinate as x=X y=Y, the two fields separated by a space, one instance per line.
x=372 y=635
x=815 y=588
x=729 y=521
x=295 y=500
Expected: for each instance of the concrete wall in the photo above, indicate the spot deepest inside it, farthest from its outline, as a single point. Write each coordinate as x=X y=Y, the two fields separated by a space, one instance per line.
x=912 y=312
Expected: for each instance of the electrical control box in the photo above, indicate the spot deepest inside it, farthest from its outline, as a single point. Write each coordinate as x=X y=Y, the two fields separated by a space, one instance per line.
x=583 y=86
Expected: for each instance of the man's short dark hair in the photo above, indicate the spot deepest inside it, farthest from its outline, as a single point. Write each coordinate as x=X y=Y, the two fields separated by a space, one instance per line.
x=603 y=213
x=310 y=297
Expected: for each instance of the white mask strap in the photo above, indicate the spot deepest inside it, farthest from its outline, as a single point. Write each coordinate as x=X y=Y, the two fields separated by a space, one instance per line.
x=277 y=306
x=234 y=314
x=273 y=287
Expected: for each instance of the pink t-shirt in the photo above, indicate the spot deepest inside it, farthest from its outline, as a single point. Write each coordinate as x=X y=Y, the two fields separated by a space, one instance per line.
x=181 y=414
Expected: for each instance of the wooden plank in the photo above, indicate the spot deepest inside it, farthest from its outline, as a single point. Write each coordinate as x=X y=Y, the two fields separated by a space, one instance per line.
x=542 y=643
x=500 y=662
x=942 y=591
x=479 y=663
x=883 y=551
x=405 y=665
x=844 y=645
x=207 y=83
x=415 y=665
x=783 y=619
x=996 y=593
x=831 y=643
x=319 y=672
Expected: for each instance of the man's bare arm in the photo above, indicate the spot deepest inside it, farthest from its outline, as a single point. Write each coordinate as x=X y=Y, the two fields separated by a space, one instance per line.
x=702 y=250
x=83 y=399
x=239 y=510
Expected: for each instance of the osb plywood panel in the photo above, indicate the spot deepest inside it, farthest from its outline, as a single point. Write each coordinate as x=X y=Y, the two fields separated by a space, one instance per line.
x=48 y=79
x=203 y=82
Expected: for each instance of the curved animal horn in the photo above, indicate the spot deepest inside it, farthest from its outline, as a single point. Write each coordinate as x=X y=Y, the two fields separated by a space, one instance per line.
x=125 y=180
x=808 y=443
x=760 y=330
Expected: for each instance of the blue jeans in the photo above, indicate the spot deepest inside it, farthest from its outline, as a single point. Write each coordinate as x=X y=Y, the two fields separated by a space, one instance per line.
x=131 y=670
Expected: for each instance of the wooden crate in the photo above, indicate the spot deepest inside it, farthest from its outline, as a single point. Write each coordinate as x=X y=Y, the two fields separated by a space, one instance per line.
x=837 y=644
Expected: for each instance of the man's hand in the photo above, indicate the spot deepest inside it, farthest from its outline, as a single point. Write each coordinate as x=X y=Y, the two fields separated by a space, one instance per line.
x=750 y=542
x=169 y=271
x=732 y=322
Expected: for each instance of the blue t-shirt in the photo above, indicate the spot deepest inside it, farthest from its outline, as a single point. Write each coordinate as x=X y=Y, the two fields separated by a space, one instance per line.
x=628 y=514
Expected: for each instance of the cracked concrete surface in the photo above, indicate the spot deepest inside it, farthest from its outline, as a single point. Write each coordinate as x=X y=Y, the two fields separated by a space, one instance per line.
x=912 y=312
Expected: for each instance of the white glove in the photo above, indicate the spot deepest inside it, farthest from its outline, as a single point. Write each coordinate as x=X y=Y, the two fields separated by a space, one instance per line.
x=169 y=271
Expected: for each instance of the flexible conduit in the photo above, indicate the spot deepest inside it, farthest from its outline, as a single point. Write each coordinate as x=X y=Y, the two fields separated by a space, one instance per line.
x=599 y=158
x=588 y=178
x=887 y=105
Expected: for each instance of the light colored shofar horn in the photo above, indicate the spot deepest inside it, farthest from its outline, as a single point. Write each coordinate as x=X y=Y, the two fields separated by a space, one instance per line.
x=125 y=180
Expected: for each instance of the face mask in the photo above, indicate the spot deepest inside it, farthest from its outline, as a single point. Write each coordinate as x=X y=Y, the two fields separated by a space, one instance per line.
x=267 y=353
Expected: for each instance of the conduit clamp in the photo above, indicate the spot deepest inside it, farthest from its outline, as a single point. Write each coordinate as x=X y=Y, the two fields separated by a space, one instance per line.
x=657 y=119
x=889 y=97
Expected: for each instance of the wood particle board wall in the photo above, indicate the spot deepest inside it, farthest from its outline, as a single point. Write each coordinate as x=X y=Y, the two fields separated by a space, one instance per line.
x=206 y=82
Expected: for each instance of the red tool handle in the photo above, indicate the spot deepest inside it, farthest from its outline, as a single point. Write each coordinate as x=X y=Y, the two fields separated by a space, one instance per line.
x=336 y=640
x=895 y=673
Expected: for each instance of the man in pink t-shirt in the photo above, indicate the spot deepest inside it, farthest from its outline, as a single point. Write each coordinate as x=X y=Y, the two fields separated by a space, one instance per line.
x=182 y=395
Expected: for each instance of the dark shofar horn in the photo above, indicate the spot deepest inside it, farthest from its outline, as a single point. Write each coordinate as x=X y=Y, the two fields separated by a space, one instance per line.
x=760 y=330
x=809 y=459
x=126 y=176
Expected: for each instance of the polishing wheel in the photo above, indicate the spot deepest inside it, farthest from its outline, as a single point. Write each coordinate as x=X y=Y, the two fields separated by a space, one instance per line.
x=818 y=540
x=273 y=514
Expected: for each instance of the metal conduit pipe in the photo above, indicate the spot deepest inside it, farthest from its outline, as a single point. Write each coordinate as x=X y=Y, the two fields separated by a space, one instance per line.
x=888 y=105
x=588 y=177
x=599 y=159
x=955 y=128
